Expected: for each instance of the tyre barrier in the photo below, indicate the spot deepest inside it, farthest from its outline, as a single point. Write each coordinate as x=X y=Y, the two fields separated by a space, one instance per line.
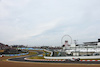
x=15 y=54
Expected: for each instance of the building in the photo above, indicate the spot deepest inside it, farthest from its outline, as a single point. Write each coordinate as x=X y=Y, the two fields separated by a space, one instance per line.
x=95 y=43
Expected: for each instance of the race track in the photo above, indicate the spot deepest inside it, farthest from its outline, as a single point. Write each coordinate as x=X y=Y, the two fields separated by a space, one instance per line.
x=21 y=59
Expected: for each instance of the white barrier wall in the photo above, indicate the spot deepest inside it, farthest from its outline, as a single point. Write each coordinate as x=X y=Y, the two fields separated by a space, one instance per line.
x=70 y=57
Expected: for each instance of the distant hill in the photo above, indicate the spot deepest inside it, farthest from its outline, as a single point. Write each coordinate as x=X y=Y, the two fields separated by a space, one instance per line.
x=3 y=46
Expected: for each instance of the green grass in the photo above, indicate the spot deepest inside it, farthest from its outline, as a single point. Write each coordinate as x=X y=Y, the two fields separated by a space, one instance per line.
x=39 y=57
x=32 y=53
x=1 y=50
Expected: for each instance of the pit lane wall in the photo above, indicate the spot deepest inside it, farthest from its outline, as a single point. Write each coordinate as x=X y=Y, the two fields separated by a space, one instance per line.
x=70 y=57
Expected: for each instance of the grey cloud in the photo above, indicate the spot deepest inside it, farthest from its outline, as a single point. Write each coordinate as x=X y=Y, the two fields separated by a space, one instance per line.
x=21 y=21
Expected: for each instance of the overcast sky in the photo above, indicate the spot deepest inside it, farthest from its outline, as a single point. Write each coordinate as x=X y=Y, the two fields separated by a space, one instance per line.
x=44 y=22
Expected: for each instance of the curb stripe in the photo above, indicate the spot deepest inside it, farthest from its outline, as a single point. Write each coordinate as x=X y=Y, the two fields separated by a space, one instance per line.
x=55 y=60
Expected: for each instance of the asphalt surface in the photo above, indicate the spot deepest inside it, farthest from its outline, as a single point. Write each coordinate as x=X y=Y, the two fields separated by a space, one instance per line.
x=21 y=59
